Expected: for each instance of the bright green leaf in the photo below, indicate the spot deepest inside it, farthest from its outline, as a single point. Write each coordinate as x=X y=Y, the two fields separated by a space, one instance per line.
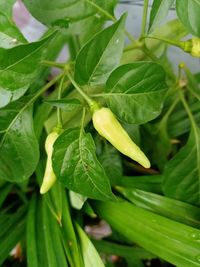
x=10 y=36
x=19 y=152
x=90 y=255
x=181 y=178
x=100 y=55
x=188 y=13
x=72 y=10
x=19 y=67
x=76 y=166
x=172 y=241
x=159 y=11
x=168 y=207
x=139 y=88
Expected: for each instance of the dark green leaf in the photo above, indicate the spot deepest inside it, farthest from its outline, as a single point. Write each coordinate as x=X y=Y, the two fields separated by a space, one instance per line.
x=100 y=55
x=174 y=242
x=138 y=88
x=129 y=252
x=4 y=191
x=32 y=257
x=65 y=104
x=188 y=13
x=19 y=151
x=181 y=178
x=18 y=68
x=10 y=35
x=170 y=208
x=11 y=232
x=159 y=11
x=76 y=166
x=111 y=161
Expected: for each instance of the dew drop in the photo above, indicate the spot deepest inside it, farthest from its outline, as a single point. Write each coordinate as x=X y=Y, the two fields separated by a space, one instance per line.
x=117 y=41
x=97 y=16
x=195 y=236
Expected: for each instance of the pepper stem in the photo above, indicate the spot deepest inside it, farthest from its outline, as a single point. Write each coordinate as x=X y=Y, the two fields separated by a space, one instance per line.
x=92 y=104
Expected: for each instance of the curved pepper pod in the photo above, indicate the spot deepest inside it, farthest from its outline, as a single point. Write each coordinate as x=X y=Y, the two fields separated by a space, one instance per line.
x=108 y=126
x=49 y=176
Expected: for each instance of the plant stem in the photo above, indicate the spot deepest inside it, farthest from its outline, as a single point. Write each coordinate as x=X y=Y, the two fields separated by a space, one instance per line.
x=108 y=15
x=103 y=11
x=90 y=102
x=186 y=106
x=144 y=17
x=53 y=64
x=59 y=111
x=171 y=42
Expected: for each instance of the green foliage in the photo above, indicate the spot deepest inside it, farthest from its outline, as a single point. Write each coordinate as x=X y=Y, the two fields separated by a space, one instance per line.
x=156 y=103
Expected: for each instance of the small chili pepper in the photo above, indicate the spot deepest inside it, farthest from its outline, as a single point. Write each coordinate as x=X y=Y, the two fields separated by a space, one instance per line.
x=192 y=46
x=108 y=126
x=49 y=176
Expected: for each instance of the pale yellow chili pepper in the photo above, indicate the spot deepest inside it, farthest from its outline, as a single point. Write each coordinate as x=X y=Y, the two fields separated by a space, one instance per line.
x=108 y=126
x=49 y=175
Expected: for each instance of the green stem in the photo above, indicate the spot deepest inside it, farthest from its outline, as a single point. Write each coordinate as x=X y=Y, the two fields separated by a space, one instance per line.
x=171 y=42
x=53 y=64
x=59 y=111
x=144 y=17
x=90 y=102
x=186 y=106
x=107 y=14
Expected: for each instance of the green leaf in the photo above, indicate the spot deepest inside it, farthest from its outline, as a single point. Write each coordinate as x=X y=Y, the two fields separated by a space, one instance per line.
x=10 y=36
x=159 y=11
x=43 y=248
x=54 y=247
x=90 y=255
x=181 y=177
x=77 y=200
x=65 y=104
x=72 y=10
x=31 y=246
x=100 y=55
x=4 y=191
x=139 y=88
x=11 y=232
x=179 y=122
x=170 y=208
x=76 y=166
x=172 y=241
x=151 y=183
x=19 y=67
x=68 y=236
x=19 y=152
x=6 y=6
x=127 y=252
x=188 y=13
x=112 y=163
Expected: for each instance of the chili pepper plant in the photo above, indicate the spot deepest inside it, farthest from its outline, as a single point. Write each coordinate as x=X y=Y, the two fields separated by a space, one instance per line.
x=100 y=162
